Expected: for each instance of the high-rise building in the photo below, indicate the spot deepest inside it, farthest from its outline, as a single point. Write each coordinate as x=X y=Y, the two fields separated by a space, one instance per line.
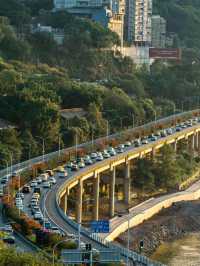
x=158 y=37
x=138 y=21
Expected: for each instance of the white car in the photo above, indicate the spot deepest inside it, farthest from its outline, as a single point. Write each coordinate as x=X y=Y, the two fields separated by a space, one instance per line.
x=34 y=200
x=20 y=195
x=121 y=146
x=86 y=158
x=112 y=153
x=35 y=196
x=99 y=158
x=106 y=155
x=44 y=177
x=110 y=149
x=52 y=180
x=81 y=164
x=145 y=141
x=46 y=184
x=1 y=192
x=62 y=173
x=93 y=155
x=18 y=201
x=7 y=228
x=127 y=144
x=120 y=150
x=38 y=215
x=34 y=184
x=39 y=180
x=20 y=207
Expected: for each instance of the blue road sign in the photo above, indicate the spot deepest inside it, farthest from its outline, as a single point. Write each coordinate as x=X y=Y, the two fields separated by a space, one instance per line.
x=101 y=226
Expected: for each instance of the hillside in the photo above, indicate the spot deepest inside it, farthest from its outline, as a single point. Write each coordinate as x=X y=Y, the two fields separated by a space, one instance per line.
x=183 y=18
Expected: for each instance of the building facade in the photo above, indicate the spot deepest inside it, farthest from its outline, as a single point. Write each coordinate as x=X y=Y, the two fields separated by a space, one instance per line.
x=107 y=12
x=138 y=21
x=158 y=32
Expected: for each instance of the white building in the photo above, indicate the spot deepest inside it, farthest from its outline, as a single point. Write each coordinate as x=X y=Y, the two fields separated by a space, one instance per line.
x=138 y=21
x=158 y=38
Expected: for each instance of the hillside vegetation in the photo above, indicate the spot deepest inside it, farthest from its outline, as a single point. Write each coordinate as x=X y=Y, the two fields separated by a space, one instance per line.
x=38 y=77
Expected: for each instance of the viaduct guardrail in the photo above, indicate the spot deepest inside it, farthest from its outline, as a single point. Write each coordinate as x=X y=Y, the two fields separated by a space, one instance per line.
x=49 y=156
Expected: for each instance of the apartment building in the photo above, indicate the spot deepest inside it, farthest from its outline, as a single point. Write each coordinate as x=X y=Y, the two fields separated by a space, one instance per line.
x=138 y=21
x=158 y=38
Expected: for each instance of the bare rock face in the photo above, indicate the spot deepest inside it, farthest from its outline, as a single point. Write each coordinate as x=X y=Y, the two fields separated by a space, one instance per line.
x=169 y=224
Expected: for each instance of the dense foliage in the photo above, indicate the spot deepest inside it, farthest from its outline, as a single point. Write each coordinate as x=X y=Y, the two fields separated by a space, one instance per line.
x=166 y=170
x=38 y=77
x=183 y=17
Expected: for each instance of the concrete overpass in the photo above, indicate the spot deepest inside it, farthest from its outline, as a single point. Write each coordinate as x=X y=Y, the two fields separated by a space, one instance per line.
x=58 y=197
x=191 y=134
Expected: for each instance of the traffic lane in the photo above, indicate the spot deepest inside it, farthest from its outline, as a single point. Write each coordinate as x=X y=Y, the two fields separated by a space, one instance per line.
x=54 y=216
x=20 y=244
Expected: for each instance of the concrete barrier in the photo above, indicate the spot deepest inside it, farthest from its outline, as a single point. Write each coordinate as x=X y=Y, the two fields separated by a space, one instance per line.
x=156 y=205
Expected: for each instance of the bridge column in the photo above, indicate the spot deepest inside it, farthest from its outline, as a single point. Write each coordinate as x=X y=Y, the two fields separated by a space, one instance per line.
x=112 y=192
x=175 y=145
x=65 y=201
x=153 y=153
x=127 y=183
x=79 y=202
x=96 y=196
x=197 y=141
x=191 y=141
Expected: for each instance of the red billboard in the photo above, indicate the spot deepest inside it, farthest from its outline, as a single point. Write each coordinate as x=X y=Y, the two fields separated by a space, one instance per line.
x=165 y=53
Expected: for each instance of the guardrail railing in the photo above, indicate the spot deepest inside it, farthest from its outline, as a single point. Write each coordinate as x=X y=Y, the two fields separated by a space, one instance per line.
x=49 y=156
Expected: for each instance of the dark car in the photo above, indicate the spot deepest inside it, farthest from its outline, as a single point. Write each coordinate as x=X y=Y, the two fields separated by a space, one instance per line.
x=74 y=167
x=26 y=189
x=9 y=240
x=37 y=190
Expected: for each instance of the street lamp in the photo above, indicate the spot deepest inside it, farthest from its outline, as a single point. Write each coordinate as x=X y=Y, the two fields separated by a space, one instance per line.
x=133 y=120
x=128 y=236
x=54 y=247
x=7 y=170
x=43 y=146
x=80 y=223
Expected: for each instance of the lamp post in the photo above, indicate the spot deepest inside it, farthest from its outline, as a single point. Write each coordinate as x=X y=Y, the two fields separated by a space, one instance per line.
x=133 y=120
x=7 y=170
x=43 y=146
x=54 y=247
x=11 y=160
x=128 y=237
x=80 y=223
x=59 y=145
